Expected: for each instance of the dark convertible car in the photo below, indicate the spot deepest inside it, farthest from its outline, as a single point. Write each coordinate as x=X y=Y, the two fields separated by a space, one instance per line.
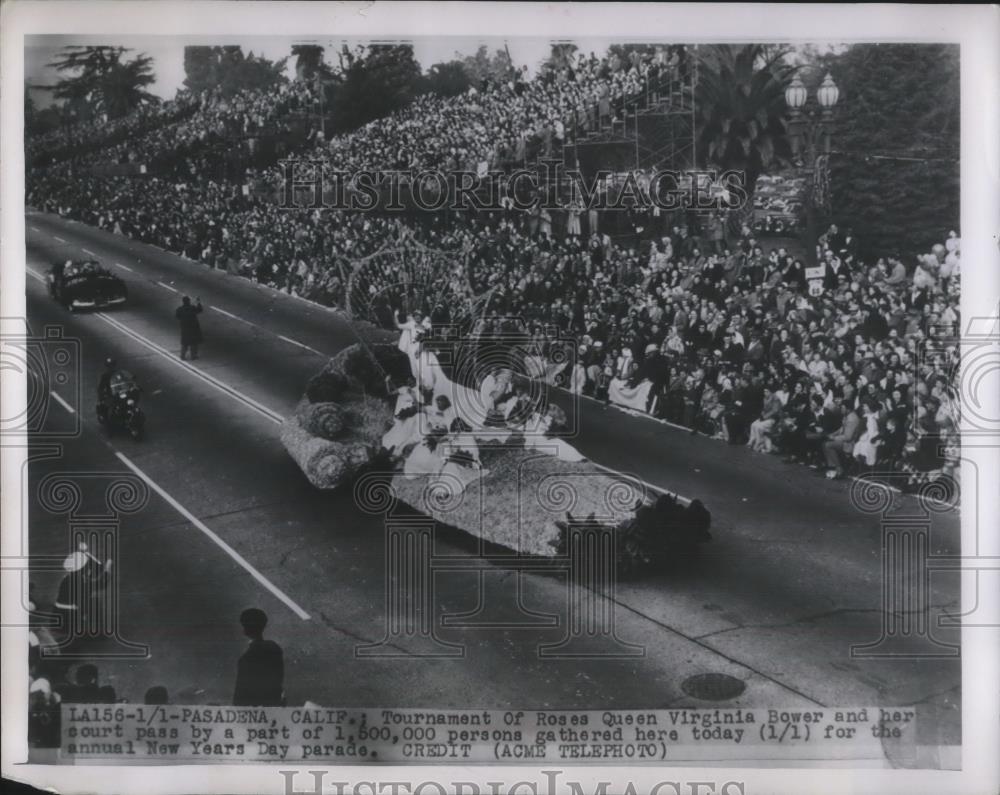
x=85 y=284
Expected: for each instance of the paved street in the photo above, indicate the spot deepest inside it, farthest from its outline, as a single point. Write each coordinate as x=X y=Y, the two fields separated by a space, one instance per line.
x=792 y=578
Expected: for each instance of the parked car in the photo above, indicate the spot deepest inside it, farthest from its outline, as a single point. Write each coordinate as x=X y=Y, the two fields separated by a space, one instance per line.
x=85 y=284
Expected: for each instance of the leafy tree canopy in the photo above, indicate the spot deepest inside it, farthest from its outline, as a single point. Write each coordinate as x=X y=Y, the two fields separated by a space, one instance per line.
x=562 y=55
x=309 y=61
x=100 y=81
x=228 y=70
x=482 y=66
x=372 y=82
x=895 y=164
x=448 y=79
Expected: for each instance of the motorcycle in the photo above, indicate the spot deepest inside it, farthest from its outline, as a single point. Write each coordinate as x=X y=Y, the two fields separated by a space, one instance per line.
x=121 y=409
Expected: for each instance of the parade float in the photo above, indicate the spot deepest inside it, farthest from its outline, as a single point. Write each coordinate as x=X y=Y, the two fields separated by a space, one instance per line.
x=511 y=481
x=467 y=443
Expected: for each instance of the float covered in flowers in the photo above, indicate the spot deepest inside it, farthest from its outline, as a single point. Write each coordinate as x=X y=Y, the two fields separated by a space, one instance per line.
x=485 y=461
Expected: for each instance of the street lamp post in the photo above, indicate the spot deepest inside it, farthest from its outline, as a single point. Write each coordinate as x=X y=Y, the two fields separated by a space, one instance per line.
x=809 y=130
x=321 y=88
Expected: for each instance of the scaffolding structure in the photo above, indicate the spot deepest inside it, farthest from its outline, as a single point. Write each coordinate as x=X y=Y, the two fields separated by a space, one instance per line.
x=655 y=129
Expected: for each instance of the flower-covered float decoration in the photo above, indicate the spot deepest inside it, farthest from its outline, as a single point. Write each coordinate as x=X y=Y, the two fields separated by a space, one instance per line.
x=504 y=476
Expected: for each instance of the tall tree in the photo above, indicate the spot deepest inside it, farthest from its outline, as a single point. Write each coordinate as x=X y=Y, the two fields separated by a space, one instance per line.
x=373 y=82
x=201 y=67
x=740 y=110
x=99 y=81
x=894 y=171
x=561 y=55
x=482 y=66
x=309 y=61
x=255 y=73
x=448 y=79
x=228 y=70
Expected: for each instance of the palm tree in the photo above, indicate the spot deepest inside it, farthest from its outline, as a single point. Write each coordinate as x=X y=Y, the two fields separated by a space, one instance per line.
x=740 y=111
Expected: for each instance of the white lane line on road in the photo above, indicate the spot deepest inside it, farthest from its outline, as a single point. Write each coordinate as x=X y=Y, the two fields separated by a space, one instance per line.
x=62 y=402
x=231 y=315
x=274 y=589
x=275 y=417
x=300 y=344
x=58 y=238
x=88 y=251
x=626 y=410
x=643 y=415
x=261 y=409
x=35 y=229
x=652 y=486
x=227 y=313
x=35 y=275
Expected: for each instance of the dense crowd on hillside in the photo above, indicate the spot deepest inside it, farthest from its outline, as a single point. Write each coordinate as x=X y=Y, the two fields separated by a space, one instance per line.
x=500 y=124
x=180 y=148
x=186 y=145
x=69 y=140
x=506 y=122
x=736 y=341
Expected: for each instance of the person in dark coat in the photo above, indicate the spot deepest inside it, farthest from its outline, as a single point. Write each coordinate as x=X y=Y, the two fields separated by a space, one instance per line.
x=740 y=409
x=260 y=672
x=86 y=688
x=655 y=368
x=187 y=314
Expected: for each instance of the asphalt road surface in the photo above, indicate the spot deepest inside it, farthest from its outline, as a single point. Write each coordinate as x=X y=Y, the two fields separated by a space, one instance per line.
x=792 y=579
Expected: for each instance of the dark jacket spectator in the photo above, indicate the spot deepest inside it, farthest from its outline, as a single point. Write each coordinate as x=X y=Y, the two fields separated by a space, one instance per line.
x=260 y=672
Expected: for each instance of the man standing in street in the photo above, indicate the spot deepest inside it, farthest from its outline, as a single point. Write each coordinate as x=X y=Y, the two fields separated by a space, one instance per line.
x=187 y=315
x=260 y=672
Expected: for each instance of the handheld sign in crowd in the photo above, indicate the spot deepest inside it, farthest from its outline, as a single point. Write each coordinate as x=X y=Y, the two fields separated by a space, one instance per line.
x=815 y=276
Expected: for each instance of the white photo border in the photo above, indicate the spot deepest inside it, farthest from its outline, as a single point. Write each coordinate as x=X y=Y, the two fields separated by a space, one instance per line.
x=975 y=28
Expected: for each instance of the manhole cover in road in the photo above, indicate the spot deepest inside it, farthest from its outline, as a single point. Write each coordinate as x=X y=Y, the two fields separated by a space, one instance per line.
x=713 y=687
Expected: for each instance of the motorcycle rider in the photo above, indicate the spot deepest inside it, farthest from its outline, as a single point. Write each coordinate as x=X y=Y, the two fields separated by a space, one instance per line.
x=114 y=389
x=104 y=386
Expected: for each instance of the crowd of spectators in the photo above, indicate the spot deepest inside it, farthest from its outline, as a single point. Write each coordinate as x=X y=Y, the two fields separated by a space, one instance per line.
x=848 y=367
x=53 y=678
x=186 y=147
x=184 y=138
x=508 y=122
x=61 y=633
x=69 y=140
x=739 y=343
